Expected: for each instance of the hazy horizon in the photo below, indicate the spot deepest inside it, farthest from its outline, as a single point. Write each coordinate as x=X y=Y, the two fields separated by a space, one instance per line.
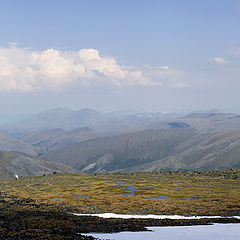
x=6 y=118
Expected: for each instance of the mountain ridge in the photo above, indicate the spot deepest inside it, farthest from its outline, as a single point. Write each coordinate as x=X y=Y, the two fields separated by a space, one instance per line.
x=126 y=149
x=12 y=163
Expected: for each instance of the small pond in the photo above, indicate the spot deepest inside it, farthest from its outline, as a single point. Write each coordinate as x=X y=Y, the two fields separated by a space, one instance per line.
x=77 y=197
x=160 y=197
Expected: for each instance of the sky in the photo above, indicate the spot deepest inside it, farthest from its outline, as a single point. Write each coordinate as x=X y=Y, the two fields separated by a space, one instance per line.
x=149 y=55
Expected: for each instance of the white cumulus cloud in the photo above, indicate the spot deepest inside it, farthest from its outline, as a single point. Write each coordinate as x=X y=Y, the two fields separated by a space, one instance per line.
x=217 y=61
x=23 y=69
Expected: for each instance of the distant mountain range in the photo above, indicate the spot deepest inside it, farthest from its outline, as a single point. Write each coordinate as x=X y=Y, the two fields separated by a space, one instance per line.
x=68 y=119
x=14 y=163
x=203 y=121
x=197 y=141
x=89 y=141
x=54 y=118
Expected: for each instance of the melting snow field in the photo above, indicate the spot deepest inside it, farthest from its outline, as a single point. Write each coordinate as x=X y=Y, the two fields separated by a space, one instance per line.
x=207 y=232
x=125 y=216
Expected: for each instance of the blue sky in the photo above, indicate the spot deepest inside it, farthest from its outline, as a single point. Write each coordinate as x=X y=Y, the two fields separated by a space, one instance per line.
x=135 y=54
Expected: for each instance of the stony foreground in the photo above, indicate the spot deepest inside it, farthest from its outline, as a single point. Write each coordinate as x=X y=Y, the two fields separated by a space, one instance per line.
x=26 y=220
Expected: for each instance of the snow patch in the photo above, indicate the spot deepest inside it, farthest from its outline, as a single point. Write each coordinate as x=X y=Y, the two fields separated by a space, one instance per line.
x=125 y=216
x=206 y=232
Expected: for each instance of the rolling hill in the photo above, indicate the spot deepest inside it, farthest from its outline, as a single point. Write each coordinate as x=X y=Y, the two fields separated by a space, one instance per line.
x=123 y=151
x=9 y=143
x=155 y=150
x=14 y=163
x=209 y=150
x=53 y=139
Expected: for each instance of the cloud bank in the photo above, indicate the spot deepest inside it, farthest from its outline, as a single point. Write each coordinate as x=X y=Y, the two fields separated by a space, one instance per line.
x=22 y=69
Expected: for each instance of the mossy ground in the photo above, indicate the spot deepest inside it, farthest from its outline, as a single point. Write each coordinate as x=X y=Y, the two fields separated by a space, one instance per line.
x=183 y=193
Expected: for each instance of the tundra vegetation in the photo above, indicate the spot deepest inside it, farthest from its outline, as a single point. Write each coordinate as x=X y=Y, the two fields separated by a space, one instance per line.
x=42 y=207
x=182 y=193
